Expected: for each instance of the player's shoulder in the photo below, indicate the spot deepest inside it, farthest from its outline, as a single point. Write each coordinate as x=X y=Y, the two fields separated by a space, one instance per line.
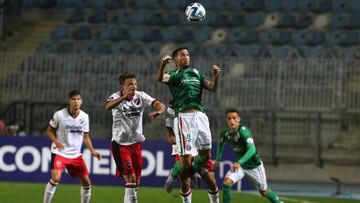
x=83 y=114
x=114 y=95
x=243 y=129
x=61 y=112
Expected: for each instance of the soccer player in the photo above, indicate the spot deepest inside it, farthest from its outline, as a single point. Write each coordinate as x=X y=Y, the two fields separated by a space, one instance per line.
x=248 y=163
x=191 y=123
x=207 y=171
x=127 y=106
x=72 y=129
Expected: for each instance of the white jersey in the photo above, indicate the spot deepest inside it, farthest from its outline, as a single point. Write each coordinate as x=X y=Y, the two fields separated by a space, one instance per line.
x=127 y=118
x=70 y=132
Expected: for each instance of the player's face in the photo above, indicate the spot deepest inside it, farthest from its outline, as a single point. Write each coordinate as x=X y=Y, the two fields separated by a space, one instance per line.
x=75 y=102
x=182 y=58
x=129 y=87
x=233 y=121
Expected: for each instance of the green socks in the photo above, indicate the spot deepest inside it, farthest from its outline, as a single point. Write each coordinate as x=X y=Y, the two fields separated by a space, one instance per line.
x=198 y=163
x=176 y=170
x=272 y=196
x=226 y=193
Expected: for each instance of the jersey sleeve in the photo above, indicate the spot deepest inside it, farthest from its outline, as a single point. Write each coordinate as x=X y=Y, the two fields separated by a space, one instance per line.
x=86 y=124
x=220 y=146
x=251 y=149
x=112 y=97
x=55 y=120
x=147 y=99
x=171 y=78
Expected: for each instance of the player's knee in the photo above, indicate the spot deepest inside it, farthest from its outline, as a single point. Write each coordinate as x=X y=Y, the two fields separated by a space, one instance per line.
x=228 y=181
x=55 y=180
x=263 y=192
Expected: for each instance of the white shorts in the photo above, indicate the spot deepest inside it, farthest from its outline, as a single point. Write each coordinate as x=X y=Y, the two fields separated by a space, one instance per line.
x=256 y=175
x=192 y=131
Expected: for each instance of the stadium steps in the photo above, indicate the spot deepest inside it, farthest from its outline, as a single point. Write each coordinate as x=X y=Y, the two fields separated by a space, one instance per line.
x=30 y=34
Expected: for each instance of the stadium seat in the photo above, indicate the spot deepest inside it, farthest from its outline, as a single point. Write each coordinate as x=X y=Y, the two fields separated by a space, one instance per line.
x=155 y=17
x=170 y=34
x=282 y=38
x=248 y=37
x=323 y=6
x=253 y=5
x=222 y=19
x=272 y=5
x=60 y=32
x=237 y=20
x=151 y=49
x=115 y=4
x=303 y=21
x=103 y=48
x=339 y=21
x=315 y=38
x=334 y=38
x=266 y=37
x=88 y=47
x=185 y=35
x=152 y=34
x=202 y=35
x=218 y=50
x=279 y=52
x=348 y=53
x=286 y=21
x=350 y=39
x=99 y=16
x=64 y=47
x=82 y=33
x=139 y=17
x=354 y=7
x=312 y=52
x=137 y=4
x=254 y=20
x=171 y=18
x=222 y=5
x=122 y=18
x=122 y=48
x=341 y=6
x=264 y=52
x=96 y=4
x=299 y=38
x=105 y=34
x=137 y=33
x=354 y=22
x=76 y=16
x=306 y=6
x=288 y=6
x=120 y=34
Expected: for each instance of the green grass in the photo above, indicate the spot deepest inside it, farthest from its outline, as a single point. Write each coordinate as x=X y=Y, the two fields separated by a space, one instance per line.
x=11 y=192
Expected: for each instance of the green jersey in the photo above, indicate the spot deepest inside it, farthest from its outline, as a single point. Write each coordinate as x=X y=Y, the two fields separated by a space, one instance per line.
x=242 y=144
x=186 y=89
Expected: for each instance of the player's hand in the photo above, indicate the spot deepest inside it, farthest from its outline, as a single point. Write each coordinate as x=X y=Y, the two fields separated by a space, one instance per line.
x=58 y=145
x=96 y=154
x=129 y=92
x=166 y=59
x=154 y=114
x=216 y=71
x=235 y=166
x=217 y=164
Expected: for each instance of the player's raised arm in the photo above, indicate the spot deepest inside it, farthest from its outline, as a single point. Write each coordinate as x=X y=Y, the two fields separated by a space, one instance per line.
x=160 y=108
x=212 y=85
x=161 y=76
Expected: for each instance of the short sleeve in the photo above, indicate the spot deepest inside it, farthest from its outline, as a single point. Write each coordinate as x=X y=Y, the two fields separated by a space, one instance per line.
x=246 y=135
x=54 y=122
x=86 y=124
x=147 y=99
x=112 y=97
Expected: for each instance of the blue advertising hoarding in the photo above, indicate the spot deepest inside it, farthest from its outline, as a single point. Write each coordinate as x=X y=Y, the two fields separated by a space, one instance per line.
x=27 y=159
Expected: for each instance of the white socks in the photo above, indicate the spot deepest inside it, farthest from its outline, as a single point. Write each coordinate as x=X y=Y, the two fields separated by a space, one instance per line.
x=85 y=194
x=186 y=197
x=130 y=193
x=214 y=196
x=49 y=191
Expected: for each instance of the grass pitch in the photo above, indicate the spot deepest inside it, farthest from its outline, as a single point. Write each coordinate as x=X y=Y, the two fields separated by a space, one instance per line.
x=11 y=192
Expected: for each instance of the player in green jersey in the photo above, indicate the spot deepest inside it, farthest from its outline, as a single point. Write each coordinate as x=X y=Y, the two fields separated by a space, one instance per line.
x=191 y=124
x=248 y=163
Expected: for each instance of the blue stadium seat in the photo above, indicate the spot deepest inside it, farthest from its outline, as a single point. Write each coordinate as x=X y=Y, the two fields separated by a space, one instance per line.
x=354 y=22
x=222 y=5
x=312 y=52
x=76 y=16
x=120 y=34
x=83 y=33
x=272 y=5
x=172 y=18
x=334 y=38
x=323 y=6
x=170 y=34
x=151 y=49
x=233 y=36
x=185 y=35
x=103 y=48
x=339 y=21
x=355 y=6
x=279 y=52
x=341 y=6
x=97 y=4
x=237 y=20
x=248 y=37
x=105 y=34
x=282 y=38
x=137 y=4
x=64 y=47
x=299 y=38
x=264 y=52
x=306 y=6
x=202 y=35
x=155 y=17
x=254 y=20
x=122 y=18
x=315 y=38
x=350 y=39
x=222 y=19
x=288 y=6
x=348 y=53
x=60 y=32
x=152 y=34
x=303 y=21
x=252 y=5
x=286 y=21
x=137 y=33
x=266 y=37
x=122 y=48
x=218 y=50
x=171 y=4
x=88 y=47
x=115 y=4
x=99 y=16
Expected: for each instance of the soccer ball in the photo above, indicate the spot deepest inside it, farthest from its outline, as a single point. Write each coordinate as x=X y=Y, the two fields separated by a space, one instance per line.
x=195 y=12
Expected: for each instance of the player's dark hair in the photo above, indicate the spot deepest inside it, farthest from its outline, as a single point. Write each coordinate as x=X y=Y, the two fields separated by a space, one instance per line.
x=125 y=76
x=232 y=110
x=74 y=93
x=177 y=50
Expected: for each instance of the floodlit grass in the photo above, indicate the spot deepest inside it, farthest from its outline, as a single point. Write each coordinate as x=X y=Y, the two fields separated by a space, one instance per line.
x=11 y=192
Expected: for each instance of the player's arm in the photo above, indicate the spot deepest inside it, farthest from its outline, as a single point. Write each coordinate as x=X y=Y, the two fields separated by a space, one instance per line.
x=160 y=108
x=89 y=145
x=110 y=104
x=251 y=149
x=212 y=85
x=50 y=133
x=161 y=76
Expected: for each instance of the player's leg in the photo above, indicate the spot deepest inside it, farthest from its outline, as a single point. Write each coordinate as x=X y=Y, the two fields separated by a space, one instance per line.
x=77 y=168
x=230 y=179
x=258 y=177
x=185 y=189
x=207 y=173
x=56 y=165
x=122 y=156
x=202 y=140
